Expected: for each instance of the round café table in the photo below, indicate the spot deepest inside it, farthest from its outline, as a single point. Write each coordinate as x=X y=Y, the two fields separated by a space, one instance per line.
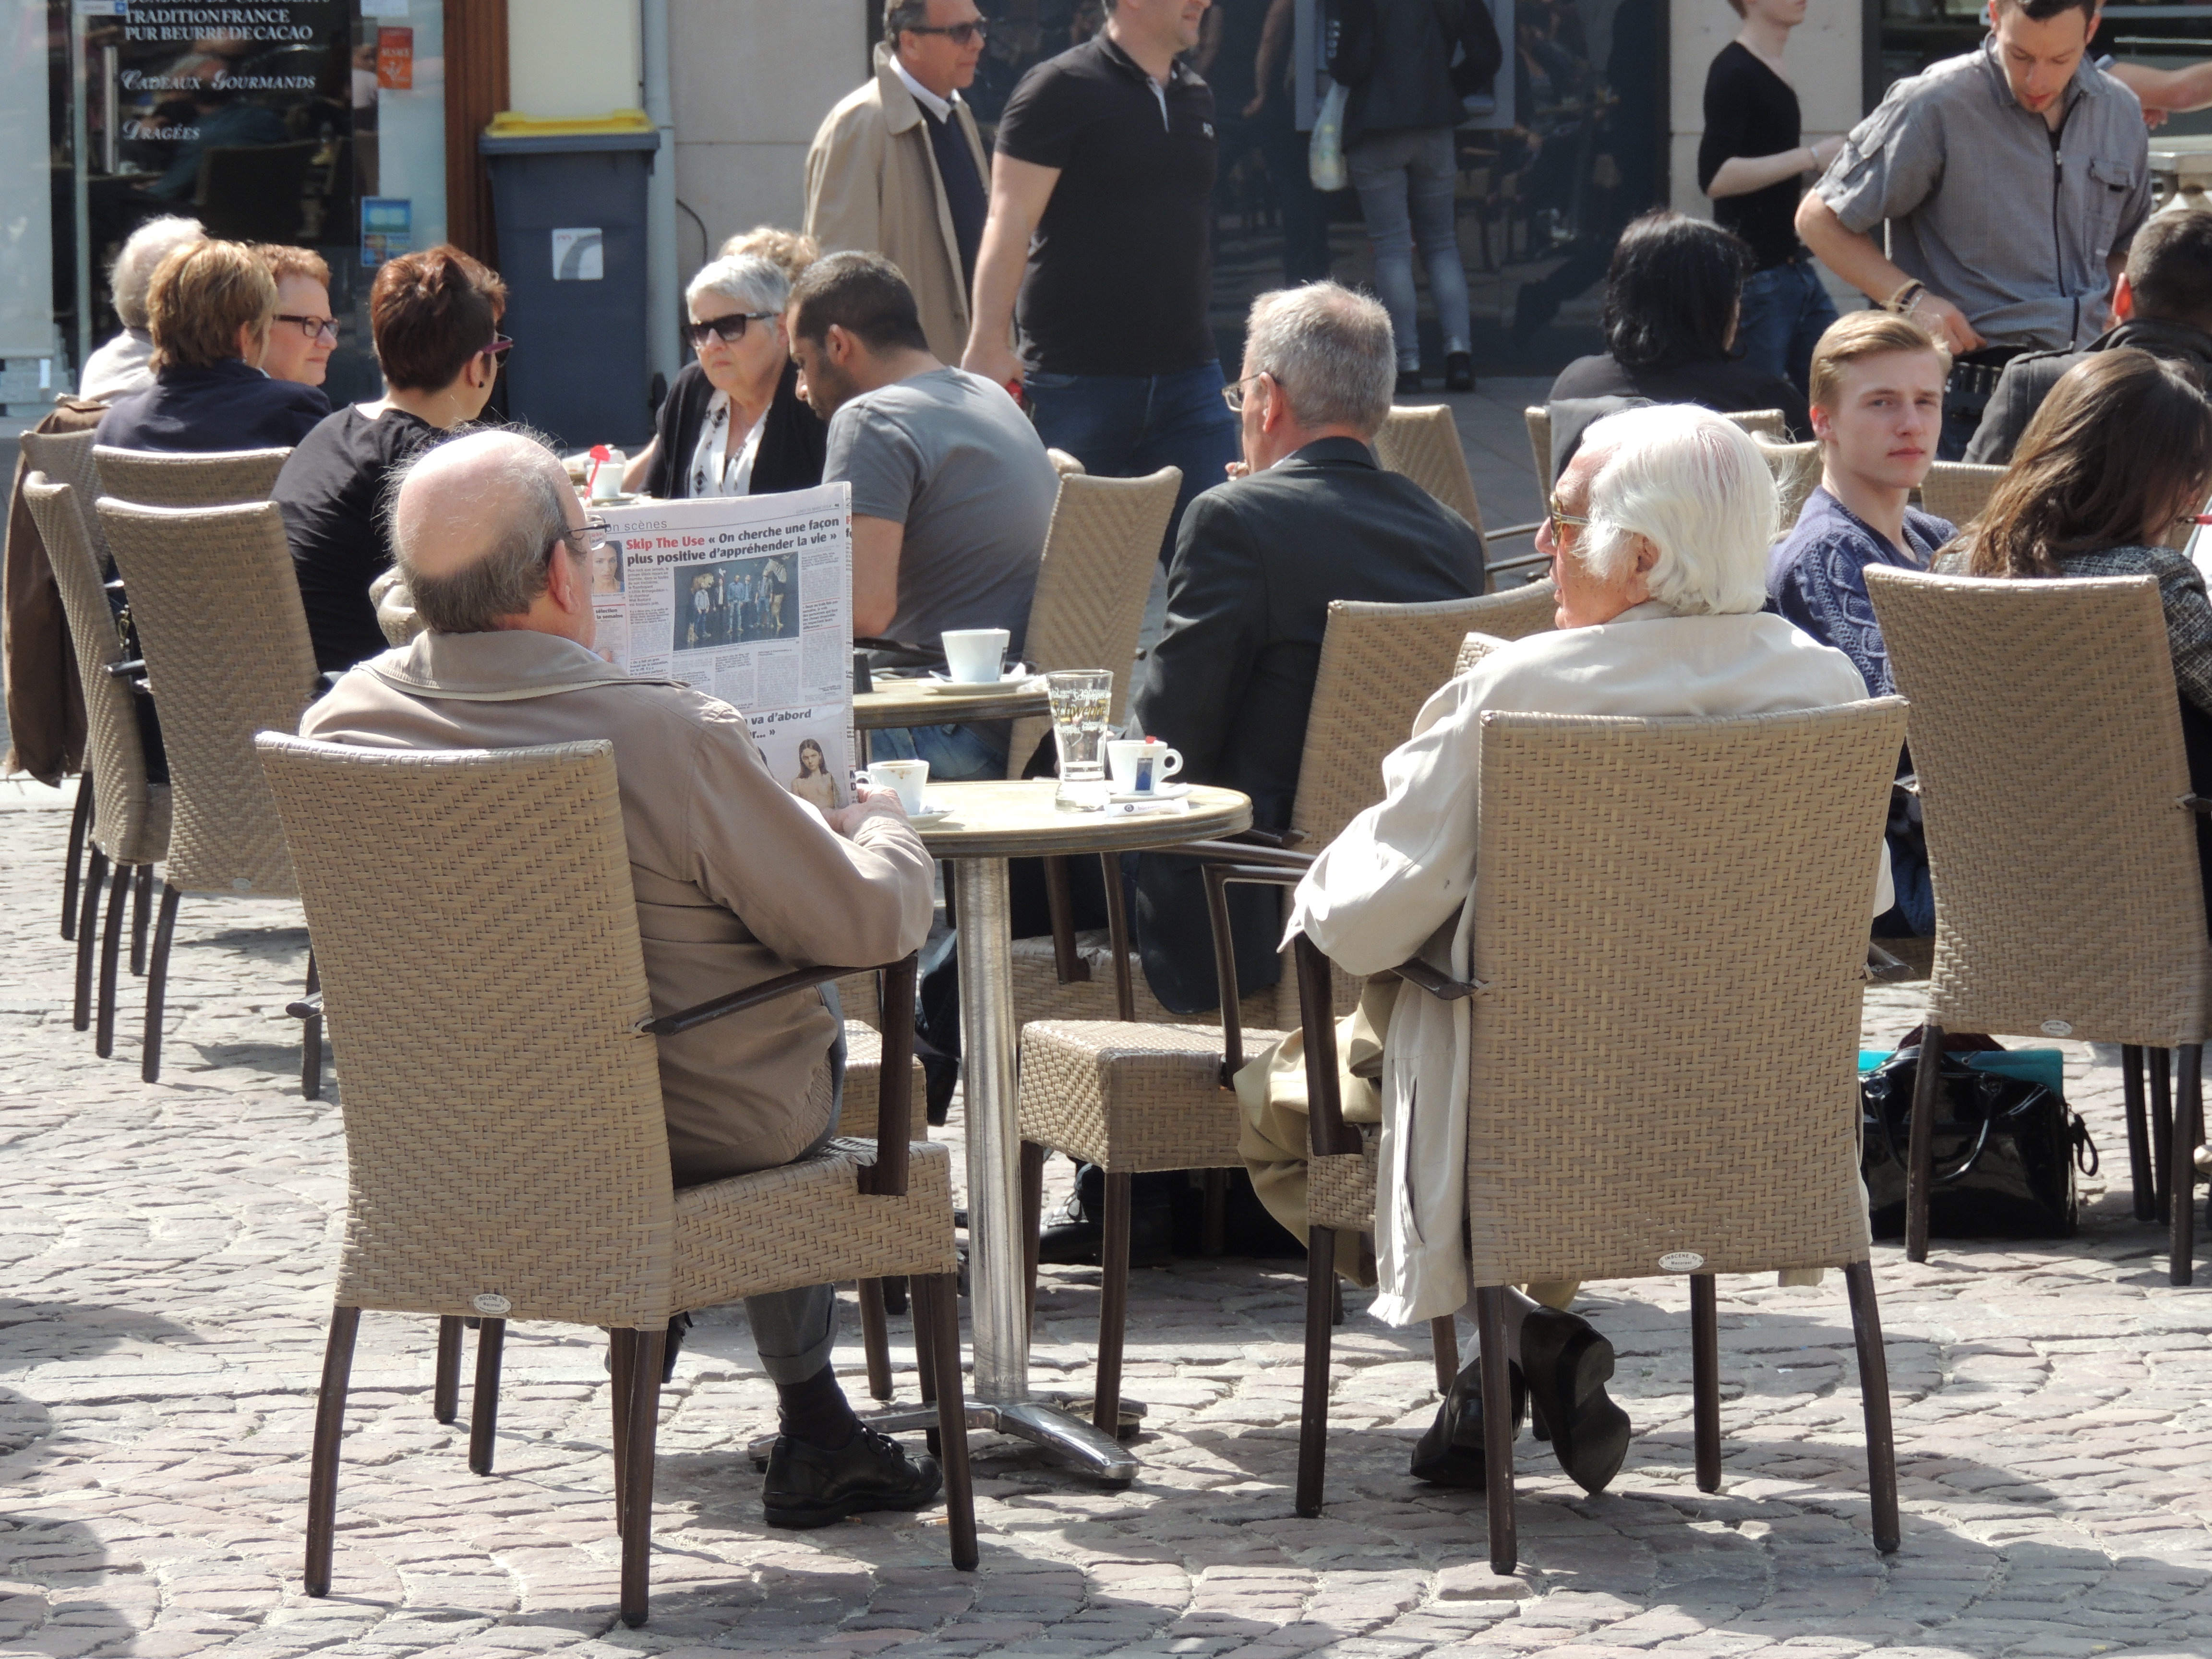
x=991 y=823
x=903 y=703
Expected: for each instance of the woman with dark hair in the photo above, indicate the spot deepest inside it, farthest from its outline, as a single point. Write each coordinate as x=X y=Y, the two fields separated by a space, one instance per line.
x=814 y=782
x=434 y=316
x=1672 y=300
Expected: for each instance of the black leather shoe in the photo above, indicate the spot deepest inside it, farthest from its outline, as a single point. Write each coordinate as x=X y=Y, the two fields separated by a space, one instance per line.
x=1459 y=372
x=1567 y=1363
x=809 y=1486
x=1069 y=1241
x=1409 y=382
x=1451 y=1453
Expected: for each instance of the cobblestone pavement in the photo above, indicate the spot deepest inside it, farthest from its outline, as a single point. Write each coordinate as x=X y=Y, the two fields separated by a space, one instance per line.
x=168 y=1253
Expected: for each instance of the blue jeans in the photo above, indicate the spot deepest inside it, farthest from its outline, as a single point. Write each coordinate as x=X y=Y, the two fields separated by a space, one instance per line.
x=955 y=754
x=1128 y=425
x=1785 y=312
x=1405 y=182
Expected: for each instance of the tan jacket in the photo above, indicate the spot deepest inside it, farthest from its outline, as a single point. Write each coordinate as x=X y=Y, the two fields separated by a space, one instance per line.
x=736 y=879
x=872 y=185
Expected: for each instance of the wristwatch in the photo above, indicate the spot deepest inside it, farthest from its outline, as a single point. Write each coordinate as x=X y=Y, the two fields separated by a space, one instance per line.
x=1902 y=302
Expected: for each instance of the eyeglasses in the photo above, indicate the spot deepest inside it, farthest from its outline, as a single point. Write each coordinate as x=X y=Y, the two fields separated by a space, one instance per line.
x=732 y=327
x=594 y=529
x=1233 y=393
x=497 y=350
x=1560 y=517
x=960 y=34
x=315 y=328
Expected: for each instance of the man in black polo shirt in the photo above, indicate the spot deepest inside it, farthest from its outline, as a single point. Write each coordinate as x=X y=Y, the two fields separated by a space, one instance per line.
x=1101 y=190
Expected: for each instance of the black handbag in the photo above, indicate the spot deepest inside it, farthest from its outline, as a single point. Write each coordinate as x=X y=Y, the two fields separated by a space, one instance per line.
x=2006 y=1148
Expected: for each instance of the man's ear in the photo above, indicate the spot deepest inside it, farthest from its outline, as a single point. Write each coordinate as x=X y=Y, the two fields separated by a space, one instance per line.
x=568 y=581
x=1647 y=556
x=2123 y=298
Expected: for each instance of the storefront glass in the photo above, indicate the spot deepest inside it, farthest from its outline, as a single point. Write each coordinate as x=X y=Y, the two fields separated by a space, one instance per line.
x=317 y=123
x=1568 y=145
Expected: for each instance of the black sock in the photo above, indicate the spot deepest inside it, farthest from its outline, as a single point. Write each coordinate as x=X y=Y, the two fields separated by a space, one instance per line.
x=817 y=1412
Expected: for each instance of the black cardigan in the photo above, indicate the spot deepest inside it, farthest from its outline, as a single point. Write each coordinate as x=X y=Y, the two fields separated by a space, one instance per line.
x=793 y=442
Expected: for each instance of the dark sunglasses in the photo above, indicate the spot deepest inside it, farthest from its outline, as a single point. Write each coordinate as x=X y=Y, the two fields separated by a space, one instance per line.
x=732 y=327
x=960 y=34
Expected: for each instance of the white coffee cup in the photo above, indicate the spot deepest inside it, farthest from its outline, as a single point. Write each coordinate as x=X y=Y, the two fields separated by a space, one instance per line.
x=909 y=777
x=974 y=656
x=1141 y=765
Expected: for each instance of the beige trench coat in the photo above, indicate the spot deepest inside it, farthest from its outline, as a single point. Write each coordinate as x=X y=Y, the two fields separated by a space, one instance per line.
x=872 y=185
x=1395 y=885
x=736 y=879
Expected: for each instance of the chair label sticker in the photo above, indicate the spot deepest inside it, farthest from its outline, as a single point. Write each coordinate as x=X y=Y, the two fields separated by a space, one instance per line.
x=498 y=1306
x=2057 y=1028
x=1680 y=1262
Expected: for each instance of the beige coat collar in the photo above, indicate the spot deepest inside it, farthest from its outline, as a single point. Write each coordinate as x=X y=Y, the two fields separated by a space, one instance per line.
x=508 y=666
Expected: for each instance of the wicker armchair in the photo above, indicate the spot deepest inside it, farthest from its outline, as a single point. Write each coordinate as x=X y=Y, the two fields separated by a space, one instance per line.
x=1424 y=444
x=130 y=825
x=1593 y=1151
x=222 y=479
x=516 y=1171
x=1513 y=615
x=2031 y=935
x=217 y=611
x=1769 y=424
x=1958 y=491
x=1796 y=470
x=66 y=458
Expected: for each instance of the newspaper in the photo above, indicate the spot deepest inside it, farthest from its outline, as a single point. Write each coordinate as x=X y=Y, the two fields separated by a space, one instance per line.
x=748 y=598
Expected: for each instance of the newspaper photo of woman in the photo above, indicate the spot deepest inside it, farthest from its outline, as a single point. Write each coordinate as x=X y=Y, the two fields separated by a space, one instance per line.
x=814 y=782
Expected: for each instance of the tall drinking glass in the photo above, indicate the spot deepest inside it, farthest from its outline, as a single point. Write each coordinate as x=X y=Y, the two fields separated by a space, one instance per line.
x=1082 y=700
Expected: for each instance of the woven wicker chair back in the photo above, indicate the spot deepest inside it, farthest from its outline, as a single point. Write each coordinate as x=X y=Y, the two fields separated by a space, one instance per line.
x=1663 y=1074
x=217 y=610
x=222 y=479
x=130 y=818
x=66 y=458
x=1796 y=470
x=1379 y=664
x=1513 y=615
x=1096 y=573
x=1766 y=424
x=1956 y=491
x=1424 y=445
x=2033 y=934
x=504 y=1133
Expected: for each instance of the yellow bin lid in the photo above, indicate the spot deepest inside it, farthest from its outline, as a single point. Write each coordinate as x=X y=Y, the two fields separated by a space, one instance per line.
x=512 y=124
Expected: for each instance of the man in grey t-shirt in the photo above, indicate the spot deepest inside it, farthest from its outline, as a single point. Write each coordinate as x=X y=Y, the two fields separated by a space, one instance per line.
x=952 y=491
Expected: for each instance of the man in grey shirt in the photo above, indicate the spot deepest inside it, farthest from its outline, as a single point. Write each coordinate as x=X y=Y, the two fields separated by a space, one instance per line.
x=952 y=491
x=1962 y=160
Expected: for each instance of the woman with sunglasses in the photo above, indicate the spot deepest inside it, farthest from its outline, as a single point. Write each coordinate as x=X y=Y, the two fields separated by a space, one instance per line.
x=435 y=317
x=733 y=423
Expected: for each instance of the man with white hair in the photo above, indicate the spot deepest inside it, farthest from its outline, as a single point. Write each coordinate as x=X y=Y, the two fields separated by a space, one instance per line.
x=1657 y=535
x=121 y=366
x=738 y=880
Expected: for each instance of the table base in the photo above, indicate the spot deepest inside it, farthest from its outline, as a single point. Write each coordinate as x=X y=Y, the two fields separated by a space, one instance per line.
x=1043 y=1420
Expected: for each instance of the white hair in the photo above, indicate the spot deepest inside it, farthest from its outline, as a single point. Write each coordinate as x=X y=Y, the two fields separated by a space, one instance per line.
x=132 y=273
x=752 y=280
x=1694 y=485
x=1331 y=351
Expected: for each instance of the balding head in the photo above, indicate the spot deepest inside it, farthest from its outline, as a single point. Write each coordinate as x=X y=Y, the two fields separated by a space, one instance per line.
x=471 y=522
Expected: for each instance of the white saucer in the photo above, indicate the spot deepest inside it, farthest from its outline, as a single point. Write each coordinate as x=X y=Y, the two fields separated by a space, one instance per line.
x=1162 y=791
x=938 y=685
x=932 y=814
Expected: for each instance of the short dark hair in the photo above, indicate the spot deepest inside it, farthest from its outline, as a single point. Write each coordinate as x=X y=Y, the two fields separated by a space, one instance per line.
x=430 y=312
x=862 y=294
x=899 y=15
x=2042 y=11
x=1672 y=290
x=2170 y=268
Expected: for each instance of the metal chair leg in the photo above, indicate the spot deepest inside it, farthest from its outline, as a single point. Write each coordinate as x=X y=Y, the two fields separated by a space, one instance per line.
x=484 y=1401
x=1874 y=1395
x=446 y=1394
x=1920 y=1155
x=111 y=948
x=1443 y=1343
x=1033 y=1157
x=323 y=1460
x=87 y=919
x=2161 y=1129
x=2181 y=1181
x=2139 y=1166
x=311 y=1041
x=1705 y=1380
x=937 y=1304
x=1497 y=1429
x=621 y=1366
x=876 y=1339
x=157 y=984
x=1313 y=1397
x=1215 y=1235
x=1113 y=1307
x=142 y=888
x=643 y=1429
x=73 y=871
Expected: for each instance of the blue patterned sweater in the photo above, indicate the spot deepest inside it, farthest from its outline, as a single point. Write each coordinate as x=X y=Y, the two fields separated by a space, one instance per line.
x=1816 y=577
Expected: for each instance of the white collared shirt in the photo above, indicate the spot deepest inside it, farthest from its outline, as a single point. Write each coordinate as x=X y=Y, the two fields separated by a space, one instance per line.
x=716 y=471
x=940 y=108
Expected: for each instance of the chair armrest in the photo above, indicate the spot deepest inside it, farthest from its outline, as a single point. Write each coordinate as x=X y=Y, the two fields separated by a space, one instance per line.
x=2195 y=804
x=1241 y=853
x=1518 y=564
x=686 y=1019
x=307 y=1007
x=124 y=671
x=1279 y=839
x=1444 y=989
x=1511 y=531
